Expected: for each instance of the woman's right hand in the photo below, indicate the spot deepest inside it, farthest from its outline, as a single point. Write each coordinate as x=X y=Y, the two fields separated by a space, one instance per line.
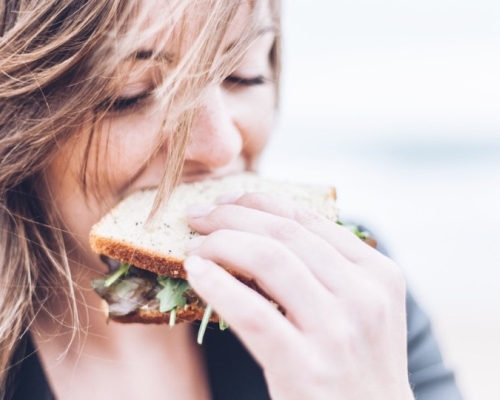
x=343 y=335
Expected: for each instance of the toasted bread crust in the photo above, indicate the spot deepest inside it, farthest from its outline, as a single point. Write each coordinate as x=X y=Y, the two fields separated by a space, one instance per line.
x=142 y=258
x=187 y=314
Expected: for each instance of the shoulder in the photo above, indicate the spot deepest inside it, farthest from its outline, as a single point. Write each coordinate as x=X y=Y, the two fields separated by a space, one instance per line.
x=429 y=376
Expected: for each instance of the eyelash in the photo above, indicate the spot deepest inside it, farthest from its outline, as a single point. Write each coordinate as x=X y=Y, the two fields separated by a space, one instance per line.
x=122 y=104
x=236 y=80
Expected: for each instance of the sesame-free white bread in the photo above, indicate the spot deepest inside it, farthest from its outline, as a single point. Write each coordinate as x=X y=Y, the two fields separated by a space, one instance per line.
x=123 y=236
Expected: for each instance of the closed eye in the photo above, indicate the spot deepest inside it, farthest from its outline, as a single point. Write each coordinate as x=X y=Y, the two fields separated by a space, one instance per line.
x=240 y=81
x=122 y=104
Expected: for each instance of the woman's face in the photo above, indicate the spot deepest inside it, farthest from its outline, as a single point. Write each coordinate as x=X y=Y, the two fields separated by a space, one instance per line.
x=229 y=133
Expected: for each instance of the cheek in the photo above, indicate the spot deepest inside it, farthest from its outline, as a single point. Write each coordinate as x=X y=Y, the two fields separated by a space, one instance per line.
x=76 y=213
x=124 y=150
x=254 y=115
x=115 y=157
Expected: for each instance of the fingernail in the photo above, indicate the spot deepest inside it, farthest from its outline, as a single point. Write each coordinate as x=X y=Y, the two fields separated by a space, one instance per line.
x=194 y=243
x=195 y=265
x=199 y=210
x=229 y=198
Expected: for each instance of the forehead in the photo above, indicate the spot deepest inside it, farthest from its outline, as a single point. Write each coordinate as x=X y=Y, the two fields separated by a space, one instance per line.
x=168 y=28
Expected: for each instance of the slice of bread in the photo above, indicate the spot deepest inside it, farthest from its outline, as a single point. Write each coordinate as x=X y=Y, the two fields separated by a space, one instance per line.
x=123 y=236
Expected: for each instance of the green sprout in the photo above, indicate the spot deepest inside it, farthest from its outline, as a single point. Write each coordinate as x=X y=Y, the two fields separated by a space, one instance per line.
x=116 y=275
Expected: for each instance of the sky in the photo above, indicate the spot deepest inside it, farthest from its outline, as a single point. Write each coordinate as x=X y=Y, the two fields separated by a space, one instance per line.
x=362 y=68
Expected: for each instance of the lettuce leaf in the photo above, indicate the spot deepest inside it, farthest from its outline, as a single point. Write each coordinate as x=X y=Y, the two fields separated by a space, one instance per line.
x=355 y=229
x=171 y=296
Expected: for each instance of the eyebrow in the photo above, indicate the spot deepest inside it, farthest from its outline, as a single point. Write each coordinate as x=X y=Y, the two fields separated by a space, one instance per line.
x=148 y=54
x=140 y=55
x=261 y=32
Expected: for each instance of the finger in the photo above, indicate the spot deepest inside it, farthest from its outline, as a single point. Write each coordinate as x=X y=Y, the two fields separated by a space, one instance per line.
x=260 y=326
x=327 y=264
x=278 y=271
x=348 y=244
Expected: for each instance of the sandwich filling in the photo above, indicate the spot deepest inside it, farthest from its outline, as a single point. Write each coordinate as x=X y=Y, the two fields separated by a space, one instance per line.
x=130 y=289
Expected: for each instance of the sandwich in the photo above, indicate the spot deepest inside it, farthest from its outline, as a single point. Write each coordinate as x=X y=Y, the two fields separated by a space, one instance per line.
x=147 y=282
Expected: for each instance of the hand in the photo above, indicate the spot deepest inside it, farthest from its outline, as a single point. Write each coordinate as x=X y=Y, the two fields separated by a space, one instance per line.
x=343 y=335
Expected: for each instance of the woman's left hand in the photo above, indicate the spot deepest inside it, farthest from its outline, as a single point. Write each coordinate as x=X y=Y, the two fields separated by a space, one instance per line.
x=343 y=335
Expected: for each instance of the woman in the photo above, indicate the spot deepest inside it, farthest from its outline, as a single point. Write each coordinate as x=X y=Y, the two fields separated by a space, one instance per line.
x=100 y=99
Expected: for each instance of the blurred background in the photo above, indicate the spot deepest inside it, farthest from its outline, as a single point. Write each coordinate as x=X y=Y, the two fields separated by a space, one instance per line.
x=397 y=104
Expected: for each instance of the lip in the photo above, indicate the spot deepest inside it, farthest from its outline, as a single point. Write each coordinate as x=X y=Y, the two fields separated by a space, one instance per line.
x=201 y=176
x=198 y=174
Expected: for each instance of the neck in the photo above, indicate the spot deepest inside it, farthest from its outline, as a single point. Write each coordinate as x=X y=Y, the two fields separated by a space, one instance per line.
x=100 y=352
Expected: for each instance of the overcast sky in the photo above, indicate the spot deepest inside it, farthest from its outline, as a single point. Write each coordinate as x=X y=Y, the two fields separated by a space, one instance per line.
x=360 y=67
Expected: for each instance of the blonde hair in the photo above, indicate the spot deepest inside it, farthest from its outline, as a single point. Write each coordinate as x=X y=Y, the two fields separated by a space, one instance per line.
x=58 y=69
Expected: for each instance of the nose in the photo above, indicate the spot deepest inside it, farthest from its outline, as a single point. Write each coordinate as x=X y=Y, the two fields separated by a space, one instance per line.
x=215 y=139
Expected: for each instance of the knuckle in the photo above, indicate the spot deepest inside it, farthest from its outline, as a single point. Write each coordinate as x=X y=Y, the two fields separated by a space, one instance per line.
x=255 y=321
x=272 y=257
x=308 y=217
x=378 y=312
x=213 y=244
x=210 y=278
x=394 y=281
x=254 y=199
x=398 y=286
x=286 y=229
x=379 y=315
x=212 y=240
x=318 y=373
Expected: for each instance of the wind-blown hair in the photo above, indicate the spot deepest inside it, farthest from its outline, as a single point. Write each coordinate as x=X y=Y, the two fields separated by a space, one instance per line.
x=59 y=69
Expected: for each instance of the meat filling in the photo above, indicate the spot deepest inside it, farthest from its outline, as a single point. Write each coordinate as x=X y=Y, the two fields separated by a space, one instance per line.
x=131 y=288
